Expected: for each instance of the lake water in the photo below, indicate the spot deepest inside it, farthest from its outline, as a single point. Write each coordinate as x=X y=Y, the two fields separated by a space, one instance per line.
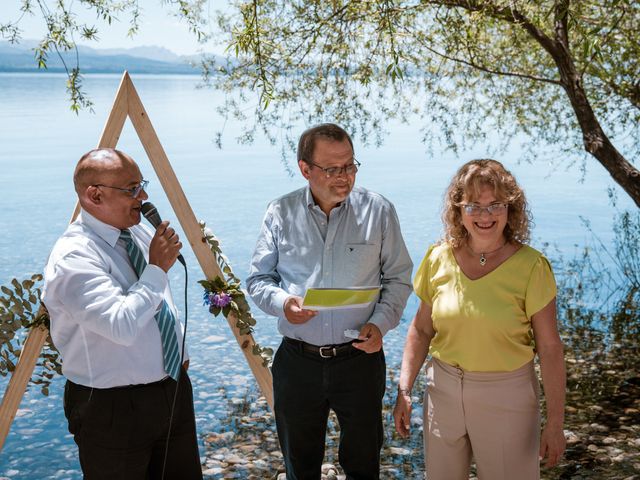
x=42 y=140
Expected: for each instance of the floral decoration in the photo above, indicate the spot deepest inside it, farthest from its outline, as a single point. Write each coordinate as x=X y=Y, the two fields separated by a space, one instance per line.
x=225 y=296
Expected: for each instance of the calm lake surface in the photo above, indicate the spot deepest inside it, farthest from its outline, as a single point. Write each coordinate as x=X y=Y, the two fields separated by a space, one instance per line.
x=229 y=189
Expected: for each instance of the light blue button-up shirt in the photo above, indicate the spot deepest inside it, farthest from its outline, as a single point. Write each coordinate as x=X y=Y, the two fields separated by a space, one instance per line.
x=359 y=244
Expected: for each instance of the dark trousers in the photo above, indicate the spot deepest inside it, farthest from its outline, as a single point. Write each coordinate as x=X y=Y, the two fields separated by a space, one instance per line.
x=306 y=386
x=121 y=432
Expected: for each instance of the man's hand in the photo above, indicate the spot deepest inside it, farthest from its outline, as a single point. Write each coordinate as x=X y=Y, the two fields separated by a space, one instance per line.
x=552 y=445
x=371 y=339
x=294 y=312
x=165 y=247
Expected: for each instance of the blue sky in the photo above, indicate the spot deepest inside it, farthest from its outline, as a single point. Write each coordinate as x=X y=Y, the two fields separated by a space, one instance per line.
x=157 y=27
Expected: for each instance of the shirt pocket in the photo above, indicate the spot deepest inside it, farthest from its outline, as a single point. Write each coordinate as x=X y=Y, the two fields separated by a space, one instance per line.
x=361 y=261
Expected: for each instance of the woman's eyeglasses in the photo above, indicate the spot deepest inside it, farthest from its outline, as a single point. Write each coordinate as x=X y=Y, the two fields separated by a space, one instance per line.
x=474 y=210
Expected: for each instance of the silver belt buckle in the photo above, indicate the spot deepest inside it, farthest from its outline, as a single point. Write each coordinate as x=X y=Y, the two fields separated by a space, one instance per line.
x=330 y=349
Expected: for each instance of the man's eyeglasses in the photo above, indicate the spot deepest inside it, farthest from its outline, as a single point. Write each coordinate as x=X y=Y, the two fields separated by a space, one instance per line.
x=335 y=171
x=474 y=210
x=133 y=191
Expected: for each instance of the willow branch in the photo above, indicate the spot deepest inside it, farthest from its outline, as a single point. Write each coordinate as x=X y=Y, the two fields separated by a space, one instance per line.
x=605 y=38
x=491 y=71
x=562 y=22
x=510 y=15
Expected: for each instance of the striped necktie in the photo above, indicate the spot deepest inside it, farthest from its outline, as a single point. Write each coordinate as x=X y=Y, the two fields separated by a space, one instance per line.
x=164 y=318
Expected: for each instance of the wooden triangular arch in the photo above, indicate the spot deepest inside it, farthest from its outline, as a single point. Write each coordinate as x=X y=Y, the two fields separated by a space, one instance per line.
x=127 y=103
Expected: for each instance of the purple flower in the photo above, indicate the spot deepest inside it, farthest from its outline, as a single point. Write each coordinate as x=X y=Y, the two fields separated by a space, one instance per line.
x=219 y=299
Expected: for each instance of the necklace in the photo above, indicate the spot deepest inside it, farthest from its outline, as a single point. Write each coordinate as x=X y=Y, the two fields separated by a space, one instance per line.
x=483 y=258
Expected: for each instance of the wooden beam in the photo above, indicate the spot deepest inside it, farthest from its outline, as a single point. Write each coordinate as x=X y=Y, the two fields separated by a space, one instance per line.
x=114 y=124
x=20 y=378
x=191 y=227
x=118 y=115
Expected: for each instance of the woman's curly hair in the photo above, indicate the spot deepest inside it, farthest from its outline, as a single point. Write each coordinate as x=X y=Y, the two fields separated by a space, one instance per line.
x=466 y=185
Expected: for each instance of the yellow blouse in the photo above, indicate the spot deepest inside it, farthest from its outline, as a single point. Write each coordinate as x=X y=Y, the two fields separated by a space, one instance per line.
x=484 y=325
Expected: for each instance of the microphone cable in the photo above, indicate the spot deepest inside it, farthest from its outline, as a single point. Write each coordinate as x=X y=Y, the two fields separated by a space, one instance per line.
x=175 y=394
x=150 y=212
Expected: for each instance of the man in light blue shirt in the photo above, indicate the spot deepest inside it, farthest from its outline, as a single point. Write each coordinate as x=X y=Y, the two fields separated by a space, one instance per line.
x=330 y=234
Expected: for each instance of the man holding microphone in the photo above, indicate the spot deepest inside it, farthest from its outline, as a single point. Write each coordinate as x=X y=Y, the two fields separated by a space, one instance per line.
x=128 y=398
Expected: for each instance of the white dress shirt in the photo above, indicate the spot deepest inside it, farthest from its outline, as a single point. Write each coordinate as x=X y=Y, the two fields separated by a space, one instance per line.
x=102 y=315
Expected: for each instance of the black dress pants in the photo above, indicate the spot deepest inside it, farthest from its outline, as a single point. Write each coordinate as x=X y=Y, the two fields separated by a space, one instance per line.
x=121 y=432
x=306 y=386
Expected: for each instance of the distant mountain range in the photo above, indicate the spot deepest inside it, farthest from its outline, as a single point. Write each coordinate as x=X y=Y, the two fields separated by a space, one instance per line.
x=148 y=59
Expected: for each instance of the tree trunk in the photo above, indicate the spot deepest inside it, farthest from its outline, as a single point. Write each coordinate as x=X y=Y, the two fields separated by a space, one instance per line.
x=595 y=140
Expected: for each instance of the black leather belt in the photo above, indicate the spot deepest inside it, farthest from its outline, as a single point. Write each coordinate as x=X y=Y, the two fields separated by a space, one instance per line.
x=326 y=351
x=121 y=387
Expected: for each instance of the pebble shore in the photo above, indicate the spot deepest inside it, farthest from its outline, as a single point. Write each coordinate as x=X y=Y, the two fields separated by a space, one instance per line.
x=602 y=429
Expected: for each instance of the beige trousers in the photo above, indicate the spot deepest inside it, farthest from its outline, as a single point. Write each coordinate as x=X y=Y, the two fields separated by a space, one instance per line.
x=492 y=417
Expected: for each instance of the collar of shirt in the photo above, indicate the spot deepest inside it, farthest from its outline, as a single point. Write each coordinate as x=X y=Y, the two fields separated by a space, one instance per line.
x=108 y=233
x=312 y=203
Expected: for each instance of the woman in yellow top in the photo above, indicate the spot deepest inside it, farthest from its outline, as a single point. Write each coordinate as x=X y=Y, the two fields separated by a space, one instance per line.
x=487 y=307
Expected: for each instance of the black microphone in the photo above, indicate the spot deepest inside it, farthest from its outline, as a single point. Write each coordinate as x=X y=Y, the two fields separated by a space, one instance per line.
x=150 y=212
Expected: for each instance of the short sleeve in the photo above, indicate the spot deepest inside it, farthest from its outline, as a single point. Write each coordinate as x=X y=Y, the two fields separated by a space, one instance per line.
x=422 y=282
x=541 y=288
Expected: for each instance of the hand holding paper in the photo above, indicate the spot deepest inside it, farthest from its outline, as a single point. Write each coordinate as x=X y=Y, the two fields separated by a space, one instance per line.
x=295 y=312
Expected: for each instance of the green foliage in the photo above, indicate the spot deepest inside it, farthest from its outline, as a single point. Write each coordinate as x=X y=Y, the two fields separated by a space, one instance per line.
x=19 y=311
x=237 y=304
x=60 y=18
x=466 y=68
x=589 y=290
x=599 y=312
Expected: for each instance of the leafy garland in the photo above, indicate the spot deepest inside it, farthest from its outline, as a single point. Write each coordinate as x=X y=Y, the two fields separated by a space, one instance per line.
x=226 y=296
x=19 y=311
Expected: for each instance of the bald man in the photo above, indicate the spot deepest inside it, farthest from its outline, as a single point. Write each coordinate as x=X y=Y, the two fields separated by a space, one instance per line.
x=128 y=398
